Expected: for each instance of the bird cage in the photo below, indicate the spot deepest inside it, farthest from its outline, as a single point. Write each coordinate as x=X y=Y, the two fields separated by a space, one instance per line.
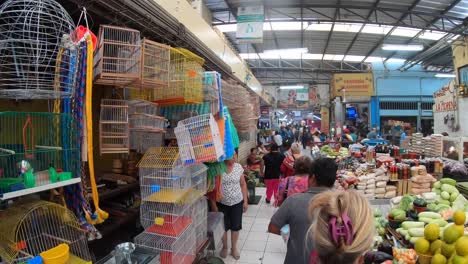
x=199 y=139
x=212 y=91
x=185 y=82
x=141 y=141
x=117 y=57
x=143 y=117
x=146 y=94
x=162 y=176
x=200 y=221
x=155 y=65
x=31 y=143
x=114 y=127
x=36 y=54
x=172 y=250
x=31 y=229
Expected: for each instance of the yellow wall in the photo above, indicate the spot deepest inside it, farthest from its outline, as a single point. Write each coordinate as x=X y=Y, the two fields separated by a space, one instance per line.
x=460 y=54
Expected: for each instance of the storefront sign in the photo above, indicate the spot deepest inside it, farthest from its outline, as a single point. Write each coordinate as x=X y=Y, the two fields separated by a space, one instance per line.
x=352 y=85
x=445 y=99
x=325 y=122
x=297 y=98
x=250 y=24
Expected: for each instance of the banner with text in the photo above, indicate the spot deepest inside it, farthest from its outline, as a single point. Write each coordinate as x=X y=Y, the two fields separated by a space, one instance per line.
x=445 y=99
x=325 y=122
x=250 y=24
x=352 y=85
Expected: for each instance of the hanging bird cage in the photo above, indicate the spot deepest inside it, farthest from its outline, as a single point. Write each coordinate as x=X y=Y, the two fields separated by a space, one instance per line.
x=114 y=127
x=199 y=139
x=37 y=228
x=141 y=141
x=212 y=91
x=155 y=65
x=37 y=58
x=117 y=57
x=31 y=143
x=143 y=117
x=185 y=83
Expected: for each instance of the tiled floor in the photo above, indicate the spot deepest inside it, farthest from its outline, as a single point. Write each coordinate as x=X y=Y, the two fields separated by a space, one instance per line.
x=257 y=246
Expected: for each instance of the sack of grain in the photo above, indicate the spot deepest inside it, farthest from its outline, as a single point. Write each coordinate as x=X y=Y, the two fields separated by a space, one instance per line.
x=381 y=184
x=390 y=194
x=380 y=191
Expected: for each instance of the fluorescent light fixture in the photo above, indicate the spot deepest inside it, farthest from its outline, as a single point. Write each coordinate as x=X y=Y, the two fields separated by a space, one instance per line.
x=402 y=47
x=288 y=51
x=445 y=75
x=291 y=87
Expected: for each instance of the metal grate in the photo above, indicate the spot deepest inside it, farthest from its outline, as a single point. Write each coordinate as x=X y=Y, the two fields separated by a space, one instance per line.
x=399 y=105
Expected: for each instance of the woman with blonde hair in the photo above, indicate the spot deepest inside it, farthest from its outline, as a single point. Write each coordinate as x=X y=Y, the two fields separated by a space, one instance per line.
x=342 y=230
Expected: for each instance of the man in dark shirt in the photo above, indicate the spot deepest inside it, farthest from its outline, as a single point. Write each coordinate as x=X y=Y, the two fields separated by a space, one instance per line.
x=272 y=163
x=294 y=212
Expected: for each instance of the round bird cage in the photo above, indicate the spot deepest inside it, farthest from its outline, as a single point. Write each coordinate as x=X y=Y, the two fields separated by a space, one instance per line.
x=37 y=57
x=38 y=228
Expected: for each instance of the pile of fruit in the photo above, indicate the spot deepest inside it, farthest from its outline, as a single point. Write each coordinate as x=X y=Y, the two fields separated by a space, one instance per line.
x=445 y=244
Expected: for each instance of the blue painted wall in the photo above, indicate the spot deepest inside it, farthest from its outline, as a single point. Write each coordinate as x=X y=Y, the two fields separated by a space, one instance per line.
x=393 y=85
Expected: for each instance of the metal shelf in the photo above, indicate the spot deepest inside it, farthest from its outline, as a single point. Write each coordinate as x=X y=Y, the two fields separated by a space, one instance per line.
x=11 y=195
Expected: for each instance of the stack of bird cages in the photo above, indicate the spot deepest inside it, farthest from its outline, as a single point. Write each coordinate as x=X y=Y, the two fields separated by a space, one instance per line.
x=143 y=107
x=38 y=228
x=36 y=53
x=199 y=139
x=145 y=125
x=117 y=58
x=114 y=135
x=155 y=65
x=141 y=141
x=169 y=193
x=212 y=91
x=230 y=94
x=30 y=144
x=185 y=82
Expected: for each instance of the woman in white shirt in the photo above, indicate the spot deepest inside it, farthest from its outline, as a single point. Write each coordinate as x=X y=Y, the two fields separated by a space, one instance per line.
x=233 y=203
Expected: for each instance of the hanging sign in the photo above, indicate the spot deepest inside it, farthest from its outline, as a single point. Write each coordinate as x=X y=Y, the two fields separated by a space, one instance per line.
x=352 y=85
x=250 y=24
x=294 y=98
x=445 y=99
x=325 y=122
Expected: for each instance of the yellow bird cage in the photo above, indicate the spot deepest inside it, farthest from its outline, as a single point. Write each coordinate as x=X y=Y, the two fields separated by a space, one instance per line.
x=186 y=79
x=31 y=229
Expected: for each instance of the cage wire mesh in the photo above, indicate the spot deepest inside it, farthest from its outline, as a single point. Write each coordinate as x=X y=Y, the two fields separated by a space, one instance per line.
x=185 y=79
x=200 y=221
x=114 y=133
x=172 y=250
x=35 y=50
x=199 y=139
x=117 y=57
x=155 y=63
x=141 y=141
x=32 y=228
x=36 y=142
x=212 y=91
x=143 y=117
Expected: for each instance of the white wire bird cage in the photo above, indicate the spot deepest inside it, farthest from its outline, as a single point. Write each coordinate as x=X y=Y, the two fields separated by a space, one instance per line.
x=172 y=250
x=143 y=117
x=37 y=58
x=114 y=132
x=141 y=141
x=211 y=91
x=199 y=139
x=117 y=57
x=37 y=228
x=200 y=221
x=143 y=107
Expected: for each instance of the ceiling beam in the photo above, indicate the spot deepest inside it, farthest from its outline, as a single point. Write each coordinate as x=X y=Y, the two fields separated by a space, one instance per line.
x=382 y=40
x=351 y=44
x=435 y=15
x=445 y=11
x=337 y=10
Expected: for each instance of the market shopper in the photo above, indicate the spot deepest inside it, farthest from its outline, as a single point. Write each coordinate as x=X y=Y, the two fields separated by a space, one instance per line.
x=342 y=231
x=287 y=167
x=232 y=205
x=372 y=134
x=322 y=176
x=272 y=163
x=278 y=139
x=306 y=137
x=297 y=183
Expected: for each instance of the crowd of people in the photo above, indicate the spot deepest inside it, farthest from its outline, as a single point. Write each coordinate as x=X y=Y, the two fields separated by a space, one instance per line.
x=302 y=190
